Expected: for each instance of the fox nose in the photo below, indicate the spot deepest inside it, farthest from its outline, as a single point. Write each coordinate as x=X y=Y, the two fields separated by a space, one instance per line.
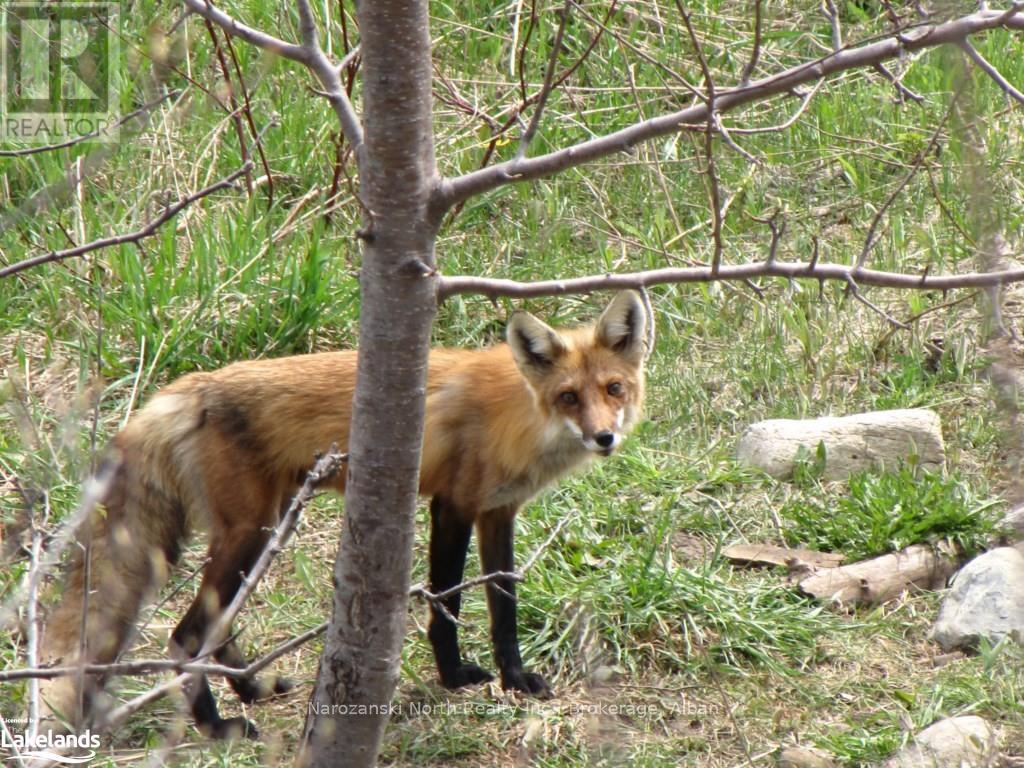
x=605 y=439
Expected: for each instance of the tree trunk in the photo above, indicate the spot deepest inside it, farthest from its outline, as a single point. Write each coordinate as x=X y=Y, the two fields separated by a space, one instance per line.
x=362 y=649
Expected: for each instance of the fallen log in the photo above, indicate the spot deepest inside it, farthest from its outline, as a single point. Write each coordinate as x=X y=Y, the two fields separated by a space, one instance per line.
x=883 y=578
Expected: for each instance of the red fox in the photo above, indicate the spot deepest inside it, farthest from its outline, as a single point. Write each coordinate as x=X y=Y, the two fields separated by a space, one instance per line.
x=226 y=450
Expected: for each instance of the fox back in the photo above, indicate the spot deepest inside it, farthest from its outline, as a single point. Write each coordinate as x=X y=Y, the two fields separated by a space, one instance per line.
x=224 y=450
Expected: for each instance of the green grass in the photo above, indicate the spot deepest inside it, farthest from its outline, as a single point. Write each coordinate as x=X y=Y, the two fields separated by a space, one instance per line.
x=633 y=604
x=880 y=512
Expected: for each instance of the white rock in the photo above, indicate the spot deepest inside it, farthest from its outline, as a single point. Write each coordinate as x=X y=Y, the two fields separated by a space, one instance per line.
x=986 y=600
x=1014 y=519
x=804 y=757
x=956 y=742
x=852 y=443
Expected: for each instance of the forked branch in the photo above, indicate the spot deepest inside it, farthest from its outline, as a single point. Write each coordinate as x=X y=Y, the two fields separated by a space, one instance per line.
x=454 y=190
x=309 y=53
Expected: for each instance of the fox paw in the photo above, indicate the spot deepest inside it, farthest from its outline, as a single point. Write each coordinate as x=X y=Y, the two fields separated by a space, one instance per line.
x=518 y=679
x=465 y=674
x=230 y=728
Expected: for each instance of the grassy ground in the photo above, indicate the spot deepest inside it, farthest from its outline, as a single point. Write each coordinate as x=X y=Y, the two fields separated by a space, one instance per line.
x=660 y=651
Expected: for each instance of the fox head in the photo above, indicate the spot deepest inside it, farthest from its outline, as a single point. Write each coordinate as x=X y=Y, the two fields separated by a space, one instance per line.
x=588 y=381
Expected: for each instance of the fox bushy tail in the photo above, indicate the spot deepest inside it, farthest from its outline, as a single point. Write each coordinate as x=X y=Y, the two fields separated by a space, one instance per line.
x=122 y=555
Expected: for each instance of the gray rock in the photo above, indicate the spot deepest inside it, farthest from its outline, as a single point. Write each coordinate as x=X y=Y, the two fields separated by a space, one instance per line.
x=852 y=443
x=1014 y=519
x=985 y=600
x=955 y=742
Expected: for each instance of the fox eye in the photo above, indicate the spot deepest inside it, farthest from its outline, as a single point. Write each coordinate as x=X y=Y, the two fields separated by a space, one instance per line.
x=569 y=397
x=615 y=388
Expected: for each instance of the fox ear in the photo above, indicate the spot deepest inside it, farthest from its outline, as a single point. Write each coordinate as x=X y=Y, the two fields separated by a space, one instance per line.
x=535 y=345
x=622 y=327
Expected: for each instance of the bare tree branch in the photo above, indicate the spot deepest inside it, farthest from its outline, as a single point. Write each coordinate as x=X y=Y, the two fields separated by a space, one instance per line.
x=453 y=190
x=234 y=111
x=418 y=590
x=851 y=285
x=902 y=90
x=144 y=109
x=806 y=100
x=710 y=172
x=94 y=490
x=991 y=71
x=828 y=8
x=814 y=270
x=149 y=666
x=309 y=54
x=148 y=230
x=755 y=53
x=872 y=236
x=545 y=91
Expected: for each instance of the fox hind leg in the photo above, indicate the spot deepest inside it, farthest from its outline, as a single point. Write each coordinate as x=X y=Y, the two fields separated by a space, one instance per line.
x=233 y=552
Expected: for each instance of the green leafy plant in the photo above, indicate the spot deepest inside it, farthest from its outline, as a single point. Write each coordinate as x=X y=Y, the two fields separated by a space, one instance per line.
x=888 y=511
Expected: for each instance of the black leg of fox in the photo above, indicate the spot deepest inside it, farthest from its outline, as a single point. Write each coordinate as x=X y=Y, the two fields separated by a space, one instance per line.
x=494 y=535
x=229 y=560
x=449 y=540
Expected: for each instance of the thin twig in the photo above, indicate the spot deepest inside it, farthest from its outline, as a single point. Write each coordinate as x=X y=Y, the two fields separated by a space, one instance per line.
x=418 y=590
x=872 y=236
x=710 y=172
x=145 y=108
x=991 y=71
x=324 y=468
x=149 y=230
x=9 y=739
x=927 y=311
x=235 y=110
x=755 y=53
x=546 y=88
x=897 y=83
x=247 y=112
x=662 y=181
x=95 y=489
x=149 y=666
x=32 y=622
x=948 y=213
x=828 y=8
x=855 y=291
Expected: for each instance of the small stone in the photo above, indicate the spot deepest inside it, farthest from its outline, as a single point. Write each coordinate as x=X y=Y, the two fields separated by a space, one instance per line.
x=1014 y=519
x=603 y=674
x=955 y=742
x=985 y=600
x=804 y=757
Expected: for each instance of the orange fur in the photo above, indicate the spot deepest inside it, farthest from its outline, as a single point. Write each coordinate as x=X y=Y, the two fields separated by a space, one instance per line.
x=226 y=449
